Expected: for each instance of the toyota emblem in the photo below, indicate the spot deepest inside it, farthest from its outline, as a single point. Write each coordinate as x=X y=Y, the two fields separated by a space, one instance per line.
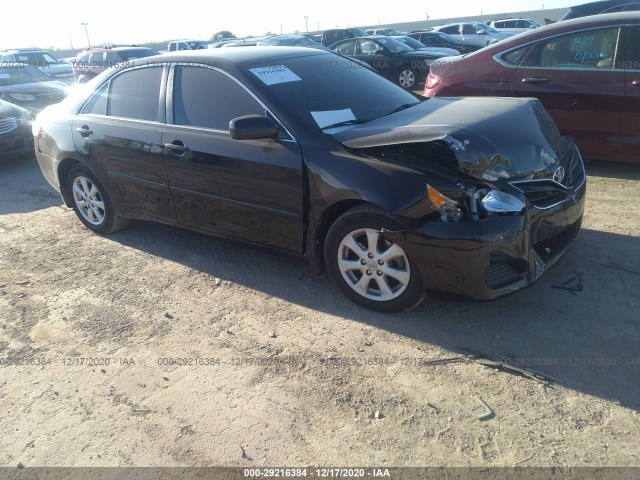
x=558 y=175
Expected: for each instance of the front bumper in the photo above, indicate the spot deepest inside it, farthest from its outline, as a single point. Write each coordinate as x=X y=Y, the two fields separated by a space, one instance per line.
x=485 y=259
x=17 y=141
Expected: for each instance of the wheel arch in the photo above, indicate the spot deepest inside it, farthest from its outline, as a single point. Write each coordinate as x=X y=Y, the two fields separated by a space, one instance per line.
x=63 y=169
x=322 y=226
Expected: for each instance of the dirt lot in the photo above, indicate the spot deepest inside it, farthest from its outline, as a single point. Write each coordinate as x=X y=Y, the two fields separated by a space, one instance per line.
x=288 y=372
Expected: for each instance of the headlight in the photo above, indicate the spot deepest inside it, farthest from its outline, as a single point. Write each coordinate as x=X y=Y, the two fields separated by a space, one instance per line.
x=500 y=202
x=448 y=208
x=22 y=97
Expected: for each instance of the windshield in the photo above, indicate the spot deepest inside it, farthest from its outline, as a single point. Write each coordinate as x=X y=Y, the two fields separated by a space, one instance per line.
x=486 y=28
x=37 y=59
x=22 y=74
x=411 y=42
x=358 y=32
x=306 y=89
x=138 y=53
x=448 y=38
x=394 y=45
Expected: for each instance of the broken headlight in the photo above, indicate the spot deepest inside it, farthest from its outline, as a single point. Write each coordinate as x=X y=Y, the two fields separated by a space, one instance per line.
x=449 y=209
x=500 y=202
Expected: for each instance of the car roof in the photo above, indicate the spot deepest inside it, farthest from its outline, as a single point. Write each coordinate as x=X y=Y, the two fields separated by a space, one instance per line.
x=238 y=56
x=601 y=20
x=600 y=4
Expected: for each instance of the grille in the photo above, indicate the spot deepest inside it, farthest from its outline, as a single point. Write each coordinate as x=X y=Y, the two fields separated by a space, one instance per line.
x=547 y=193
x=7 y=125
x=574 y=173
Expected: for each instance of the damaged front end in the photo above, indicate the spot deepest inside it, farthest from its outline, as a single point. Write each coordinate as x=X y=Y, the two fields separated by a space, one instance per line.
x=504 y=192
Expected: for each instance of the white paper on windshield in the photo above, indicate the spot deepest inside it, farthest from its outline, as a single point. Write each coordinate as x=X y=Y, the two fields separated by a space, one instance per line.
x=275 y=74
x=329 y=117
x=4 y=76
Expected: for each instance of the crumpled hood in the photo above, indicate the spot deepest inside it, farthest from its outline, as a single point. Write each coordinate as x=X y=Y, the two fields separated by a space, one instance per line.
x=492 y=138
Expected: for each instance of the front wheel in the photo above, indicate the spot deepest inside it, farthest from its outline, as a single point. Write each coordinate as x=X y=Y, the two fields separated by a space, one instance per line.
x=407 y=77
x=91 y=201
x=370 y=269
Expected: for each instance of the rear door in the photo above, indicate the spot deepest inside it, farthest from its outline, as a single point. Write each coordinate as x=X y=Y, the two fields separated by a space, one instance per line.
x=249 y=189
x=578 y=79
x=630 y=124
x=119 y=133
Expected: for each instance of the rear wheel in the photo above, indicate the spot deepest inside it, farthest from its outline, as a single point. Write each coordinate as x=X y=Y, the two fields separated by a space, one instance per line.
x=91 y=201
x=369 y=268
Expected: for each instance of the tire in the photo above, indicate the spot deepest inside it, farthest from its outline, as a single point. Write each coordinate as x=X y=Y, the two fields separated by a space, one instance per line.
x=407 y=77
x=91 y=201
x=384 y=279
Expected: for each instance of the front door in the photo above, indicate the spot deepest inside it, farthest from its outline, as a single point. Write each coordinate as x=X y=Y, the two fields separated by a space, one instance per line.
x=249 y=189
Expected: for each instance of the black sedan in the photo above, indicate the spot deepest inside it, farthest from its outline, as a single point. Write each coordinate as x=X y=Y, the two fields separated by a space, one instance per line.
x=29 y=88
x=390 y=194
x=390 y=58
x=15 y=130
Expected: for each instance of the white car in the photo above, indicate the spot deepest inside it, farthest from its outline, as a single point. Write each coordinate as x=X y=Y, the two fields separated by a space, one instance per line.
x=514 y=25
x=473 y=32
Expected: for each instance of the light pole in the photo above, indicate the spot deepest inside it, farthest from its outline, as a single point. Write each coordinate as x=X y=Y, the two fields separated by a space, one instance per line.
x=84 y=24
x=306 y=23
x=427 y=19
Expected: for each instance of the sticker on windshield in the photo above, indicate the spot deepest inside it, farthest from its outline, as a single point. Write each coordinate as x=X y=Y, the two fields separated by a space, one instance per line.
x=331 y=117
x=4 y=76
x=275 y=74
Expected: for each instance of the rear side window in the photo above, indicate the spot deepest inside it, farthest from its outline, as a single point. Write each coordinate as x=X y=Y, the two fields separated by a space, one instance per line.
x=97 y=105
x=205 y=98
x=136 y=94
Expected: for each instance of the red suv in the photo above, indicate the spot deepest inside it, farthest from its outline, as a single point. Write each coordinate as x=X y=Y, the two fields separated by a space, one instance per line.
x=585 y=71
x=93 y=61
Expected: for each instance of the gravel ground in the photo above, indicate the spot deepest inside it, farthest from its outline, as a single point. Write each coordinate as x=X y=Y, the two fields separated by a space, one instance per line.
x=287 y=372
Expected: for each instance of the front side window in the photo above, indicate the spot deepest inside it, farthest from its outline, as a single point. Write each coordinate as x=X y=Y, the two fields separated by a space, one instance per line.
x=206 y=98
x=346 y=48
x=369 y=47
x=136 y=94
x=586 y=49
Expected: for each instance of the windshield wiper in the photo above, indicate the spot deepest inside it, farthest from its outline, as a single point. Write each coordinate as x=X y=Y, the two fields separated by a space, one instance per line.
x=400 y=108
x=354 y=121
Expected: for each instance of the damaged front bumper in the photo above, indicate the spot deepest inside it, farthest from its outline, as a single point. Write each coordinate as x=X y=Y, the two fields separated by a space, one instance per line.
x=485 y=259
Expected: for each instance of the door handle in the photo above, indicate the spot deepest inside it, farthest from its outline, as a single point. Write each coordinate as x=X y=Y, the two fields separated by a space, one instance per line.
x=176 y=147
x=84 y=131
x=535 y=80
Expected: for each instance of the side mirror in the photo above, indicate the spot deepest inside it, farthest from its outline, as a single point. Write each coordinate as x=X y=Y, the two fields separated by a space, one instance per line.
x=481 y=32
x=253 y=127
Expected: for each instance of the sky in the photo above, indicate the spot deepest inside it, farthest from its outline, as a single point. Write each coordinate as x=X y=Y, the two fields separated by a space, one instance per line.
x=47 y=24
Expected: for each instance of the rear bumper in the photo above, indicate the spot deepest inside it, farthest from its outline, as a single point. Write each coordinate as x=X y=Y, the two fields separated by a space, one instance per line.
x=486 y=259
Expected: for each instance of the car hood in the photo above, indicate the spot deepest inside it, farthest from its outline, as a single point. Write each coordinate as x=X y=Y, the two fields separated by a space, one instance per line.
x=57 y=69
x=492 y=138
x=45 y=93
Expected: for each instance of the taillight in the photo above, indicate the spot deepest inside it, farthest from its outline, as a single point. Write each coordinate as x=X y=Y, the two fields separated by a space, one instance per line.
x=432 y=81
